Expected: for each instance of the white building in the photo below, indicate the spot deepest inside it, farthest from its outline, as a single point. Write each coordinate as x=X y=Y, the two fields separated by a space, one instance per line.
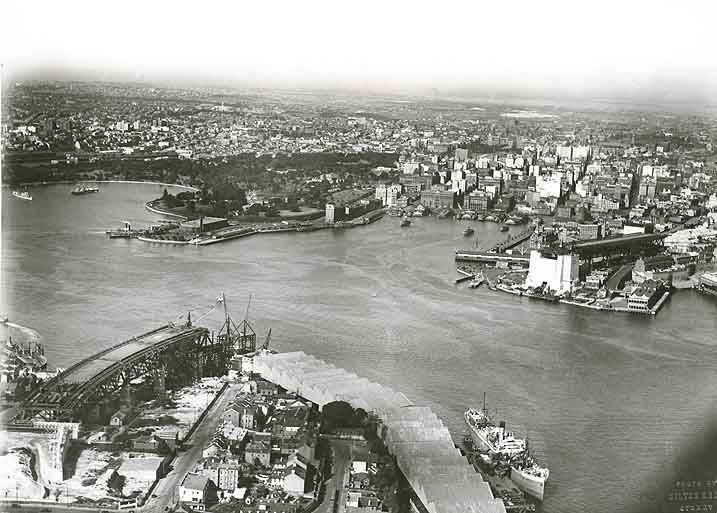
x=330 y=213
x=559 y=273
x=548 y=186
x=194 y=490
x=564 y=152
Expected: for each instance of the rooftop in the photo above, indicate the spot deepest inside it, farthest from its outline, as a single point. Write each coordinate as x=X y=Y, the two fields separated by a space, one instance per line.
x=195 y=482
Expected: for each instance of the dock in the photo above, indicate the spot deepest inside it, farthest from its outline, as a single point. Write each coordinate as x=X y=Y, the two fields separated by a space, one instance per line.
x=513 y=241
x=514 y=500
x=468 y=255
x=466 y=276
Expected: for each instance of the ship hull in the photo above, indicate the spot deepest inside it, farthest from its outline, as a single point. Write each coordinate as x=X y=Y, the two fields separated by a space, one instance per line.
x=479 y=441
x=532 y=485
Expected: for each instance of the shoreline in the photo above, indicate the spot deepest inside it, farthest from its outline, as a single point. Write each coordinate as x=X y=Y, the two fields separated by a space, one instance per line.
x=155 y=210
x=70 y=182
x=654 y=310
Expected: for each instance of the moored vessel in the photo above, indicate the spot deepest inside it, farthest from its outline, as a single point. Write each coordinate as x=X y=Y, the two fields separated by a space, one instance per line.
x=478 y=280
x=529 y=475
x=501 y=445
x=405 y=222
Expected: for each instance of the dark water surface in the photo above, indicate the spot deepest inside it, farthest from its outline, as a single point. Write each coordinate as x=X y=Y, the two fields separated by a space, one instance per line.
x=608 y=400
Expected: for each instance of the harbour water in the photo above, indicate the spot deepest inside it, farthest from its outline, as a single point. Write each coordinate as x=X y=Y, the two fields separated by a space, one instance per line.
x=608 y=400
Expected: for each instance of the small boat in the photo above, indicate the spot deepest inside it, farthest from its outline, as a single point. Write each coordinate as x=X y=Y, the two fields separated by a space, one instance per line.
x=405 y=222
x=84 y=189
x=504 y=228
x=478 y=280
x=22 y=195
x=468 y=231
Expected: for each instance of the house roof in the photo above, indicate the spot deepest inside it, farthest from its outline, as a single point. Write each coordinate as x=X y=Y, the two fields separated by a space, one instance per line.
x=258 y=446
x=195 y=482
x=295 y=469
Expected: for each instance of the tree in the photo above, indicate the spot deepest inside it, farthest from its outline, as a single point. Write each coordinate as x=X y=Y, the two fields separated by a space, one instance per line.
x=335 y=415
x=116 y=482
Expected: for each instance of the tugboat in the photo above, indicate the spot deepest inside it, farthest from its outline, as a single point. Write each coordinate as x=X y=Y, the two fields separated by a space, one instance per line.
x=468 y=231
x=22 y=195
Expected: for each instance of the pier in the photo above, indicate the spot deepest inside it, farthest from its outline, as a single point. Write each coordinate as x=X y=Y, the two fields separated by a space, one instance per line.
x=467 y=255
x=513 y=241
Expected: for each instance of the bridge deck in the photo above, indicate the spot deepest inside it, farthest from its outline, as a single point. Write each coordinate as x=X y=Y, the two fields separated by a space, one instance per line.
x=63 y=391
x=94 y=366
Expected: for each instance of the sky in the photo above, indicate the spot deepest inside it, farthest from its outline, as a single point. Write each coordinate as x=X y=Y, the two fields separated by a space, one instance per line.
x=654 y=49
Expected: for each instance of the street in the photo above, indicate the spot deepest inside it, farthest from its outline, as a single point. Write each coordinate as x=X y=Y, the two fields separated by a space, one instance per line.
x=167 y=490
x=341 y=450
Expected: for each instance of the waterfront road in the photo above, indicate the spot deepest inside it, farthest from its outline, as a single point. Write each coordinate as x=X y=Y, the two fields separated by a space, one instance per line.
x=341 y=450
x=165 y=494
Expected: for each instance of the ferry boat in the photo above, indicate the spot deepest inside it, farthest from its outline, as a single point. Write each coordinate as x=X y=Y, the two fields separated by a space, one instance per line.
x=500 y=445
x=405 y=222
x=123 y=233
x=84 y=189
x=22 y=195
x=468 y=231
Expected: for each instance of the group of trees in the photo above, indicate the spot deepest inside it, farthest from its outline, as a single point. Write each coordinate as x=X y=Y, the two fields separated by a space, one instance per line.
x=340 y=414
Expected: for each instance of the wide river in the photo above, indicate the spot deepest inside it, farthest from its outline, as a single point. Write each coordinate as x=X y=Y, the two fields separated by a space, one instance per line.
x=608 y=400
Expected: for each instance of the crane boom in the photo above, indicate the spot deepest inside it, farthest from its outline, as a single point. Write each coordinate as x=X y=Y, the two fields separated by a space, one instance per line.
x=268 y=339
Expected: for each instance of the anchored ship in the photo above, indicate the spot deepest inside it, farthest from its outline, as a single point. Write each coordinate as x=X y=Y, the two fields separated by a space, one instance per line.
x=502 y=445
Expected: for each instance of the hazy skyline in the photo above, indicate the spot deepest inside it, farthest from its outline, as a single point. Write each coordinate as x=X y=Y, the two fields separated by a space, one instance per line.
x=658 y=51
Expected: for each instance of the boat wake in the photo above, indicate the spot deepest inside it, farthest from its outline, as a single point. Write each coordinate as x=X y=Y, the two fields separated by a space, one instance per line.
x=30 y=334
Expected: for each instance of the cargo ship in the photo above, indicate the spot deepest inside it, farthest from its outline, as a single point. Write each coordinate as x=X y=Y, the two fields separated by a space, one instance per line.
x=502 y=445
x=84 y=189
x=22 y=195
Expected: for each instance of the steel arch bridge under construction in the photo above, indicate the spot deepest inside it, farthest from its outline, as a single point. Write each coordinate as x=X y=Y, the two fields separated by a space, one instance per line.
x=157 y=354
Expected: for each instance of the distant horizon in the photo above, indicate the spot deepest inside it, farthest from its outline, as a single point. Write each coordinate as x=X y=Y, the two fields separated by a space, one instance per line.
x=457 y=95
x=554 y=49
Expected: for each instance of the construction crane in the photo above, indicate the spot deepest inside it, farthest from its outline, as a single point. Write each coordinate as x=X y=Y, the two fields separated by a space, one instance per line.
x=265 y=347
x=246 y=314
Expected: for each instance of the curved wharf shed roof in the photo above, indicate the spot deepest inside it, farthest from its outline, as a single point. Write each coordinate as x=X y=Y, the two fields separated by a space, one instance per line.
x=441 y=478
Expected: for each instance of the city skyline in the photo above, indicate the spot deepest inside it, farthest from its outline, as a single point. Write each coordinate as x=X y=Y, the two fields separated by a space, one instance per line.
x=554 y=49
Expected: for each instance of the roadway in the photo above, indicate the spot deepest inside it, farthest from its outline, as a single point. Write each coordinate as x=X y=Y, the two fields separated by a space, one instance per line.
x=341 y=464
x=166 y=492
